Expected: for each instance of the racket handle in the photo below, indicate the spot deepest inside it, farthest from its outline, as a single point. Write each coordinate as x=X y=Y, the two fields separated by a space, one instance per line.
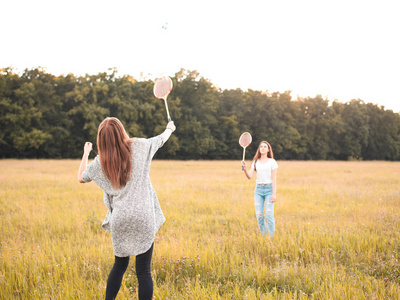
x=242 y=168
x=166 y=107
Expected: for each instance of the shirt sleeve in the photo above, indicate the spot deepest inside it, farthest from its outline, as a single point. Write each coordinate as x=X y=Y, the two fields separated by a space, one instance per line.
x=252 y=164
x=274 y=165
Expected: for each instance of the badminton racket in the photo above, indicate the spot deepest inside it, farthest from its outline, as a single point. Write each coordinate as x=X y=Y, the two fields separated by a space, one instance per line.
x=244 y=141
x=162 y=88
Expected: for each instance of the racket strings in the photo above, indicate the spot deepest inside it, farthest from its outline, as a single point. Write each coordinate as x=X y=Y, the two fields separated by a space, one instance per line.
x=245 y=140
x=162 y=87
x=162 y=90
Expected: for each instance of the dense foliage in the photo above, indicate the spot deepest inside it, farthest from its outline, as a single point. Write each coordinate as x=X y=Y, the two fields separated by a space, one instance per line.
x=47 y=116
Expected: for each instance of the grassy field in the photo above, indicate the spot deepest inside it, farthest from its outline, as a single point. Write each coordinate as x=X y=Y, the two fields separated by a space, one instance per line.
x=337 y=235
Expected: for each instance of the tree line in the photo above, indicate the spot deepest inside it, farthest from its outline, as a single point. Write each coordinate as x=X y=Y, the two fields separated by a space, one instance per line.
x=47 y=116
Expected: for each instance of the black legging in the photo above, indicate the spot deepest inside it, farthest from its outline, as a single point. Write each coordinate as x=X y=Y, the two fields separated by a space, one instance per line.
x=143 y=273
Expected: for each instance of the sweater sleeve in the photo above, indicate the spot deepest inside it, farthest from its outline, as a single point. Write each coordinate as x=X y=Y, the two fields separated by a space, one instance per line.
x=88 y=174
x=154 y=144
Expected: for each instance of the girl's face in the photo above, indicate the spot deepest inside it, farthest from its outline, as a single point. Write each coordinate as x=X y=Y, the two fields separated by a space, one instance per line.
x=264 y=148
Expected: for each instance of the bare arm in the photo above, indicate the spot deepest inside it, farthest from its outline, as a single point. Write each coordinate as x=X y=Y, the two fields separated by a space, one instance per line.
x=84 y=161
x=249 y=173
x=167 y=133
x=273 y=178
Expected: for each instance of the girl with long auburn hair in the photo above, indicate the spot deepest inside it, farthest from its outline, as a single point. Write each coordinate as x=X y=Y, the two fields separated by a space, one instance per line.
x=114 y=147
x=134 y=214
x=265 y=191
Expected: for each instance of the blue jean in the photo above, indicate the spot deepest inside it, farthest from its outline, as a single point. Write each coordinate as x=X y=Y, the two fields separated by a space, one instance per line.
x=262 y=198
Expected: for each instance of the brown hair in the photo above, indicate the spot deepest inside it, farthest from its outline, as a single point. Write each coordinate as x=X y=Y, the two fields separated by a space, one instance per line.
x=114 y=148
x=270 y=153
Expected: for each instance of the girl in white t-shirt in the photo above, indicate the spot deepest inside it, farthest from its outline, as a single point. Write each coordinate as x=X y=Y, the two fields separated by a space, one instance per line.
x=265 y=192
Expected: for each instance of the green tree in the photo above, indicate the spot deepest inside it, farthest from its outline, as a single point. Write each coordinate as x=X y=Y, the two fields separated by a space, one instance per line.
x=314 y=127
x=21 y=118
x=383 y=138
x=42 y=115
x=355 y=137
x=199 y=106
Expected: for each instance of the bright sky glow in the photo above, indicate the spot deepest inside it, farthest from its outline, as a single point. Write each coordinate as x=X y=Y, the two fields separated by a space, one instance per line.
x=338 y=49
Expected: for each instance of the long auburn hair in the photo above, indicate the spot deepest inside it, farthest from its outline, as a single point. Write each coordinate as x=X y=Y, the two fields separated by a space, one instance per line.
x=114 y=148
x=270 y=153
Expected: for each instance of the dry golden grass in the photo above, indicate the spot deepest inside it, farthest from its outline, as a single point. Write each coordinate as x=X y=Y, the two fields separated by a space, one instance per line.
x=337 y=233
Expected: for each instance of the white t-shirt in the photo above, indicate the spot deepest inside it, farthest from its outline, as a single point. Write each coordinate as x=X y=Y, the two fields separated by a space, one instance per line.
x=264 y=170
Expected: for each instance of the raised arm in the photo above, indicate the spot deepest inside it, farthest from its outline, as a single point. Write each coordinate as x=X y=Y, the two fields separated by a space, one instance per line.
x=249 y=173
x=86 y=151
x=167 y=133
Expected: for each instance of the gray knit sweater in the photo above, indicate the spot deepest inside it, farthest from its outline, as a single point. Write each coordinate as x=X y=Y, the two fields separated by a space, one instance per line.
x=134 y=213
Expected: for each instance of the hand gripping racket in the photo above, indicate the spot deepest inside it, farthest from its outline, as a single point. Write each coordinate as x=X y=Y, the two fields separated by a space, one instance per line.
x=162 y=88
x=244 y=141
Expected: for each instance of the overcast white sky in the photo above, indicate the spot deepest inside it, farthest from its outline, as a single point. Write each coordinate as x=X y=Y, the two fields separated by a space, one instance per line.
x=339 y=49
